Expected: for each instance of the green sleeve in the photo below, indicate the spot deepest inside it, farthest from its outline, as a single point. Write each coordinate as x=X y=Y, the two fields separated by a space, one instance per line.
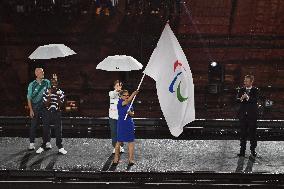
x=48 y=84
x=29 y=95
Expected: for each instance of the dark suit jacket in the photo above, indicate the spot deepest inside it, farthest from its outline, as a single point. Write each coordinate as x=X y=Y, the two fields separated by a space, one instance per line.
x=248 y=108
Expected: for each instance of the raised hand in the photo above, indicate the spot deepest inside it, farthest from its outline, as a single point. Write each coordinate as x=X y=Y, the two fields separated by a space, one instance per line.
x=135 y=92
x=120 y=86
x=54 y=76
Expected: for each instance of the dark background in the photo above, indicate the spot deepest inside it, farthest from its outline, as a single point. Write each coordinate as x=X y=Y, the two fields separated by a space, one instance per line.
x=242 y=36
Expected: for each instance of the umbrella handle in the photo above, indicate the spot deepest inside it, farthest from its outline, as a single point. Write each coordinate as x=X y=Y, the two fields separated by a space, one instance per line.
x=134 y=96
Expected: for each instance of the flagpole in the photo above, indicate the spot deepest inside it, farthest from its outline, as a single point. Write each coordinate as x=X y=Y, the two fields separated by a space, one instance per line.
x=134 y=96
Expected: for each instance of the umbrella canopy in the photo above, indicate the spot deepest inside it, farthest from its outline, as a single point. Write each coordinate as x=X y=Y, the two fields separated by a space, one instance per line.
x=119 y=63
x=51 y=51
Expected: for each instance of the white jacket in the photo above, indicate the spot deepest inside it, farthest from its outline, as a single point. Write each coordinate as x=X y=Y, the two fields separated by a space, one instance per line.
x=113 y=100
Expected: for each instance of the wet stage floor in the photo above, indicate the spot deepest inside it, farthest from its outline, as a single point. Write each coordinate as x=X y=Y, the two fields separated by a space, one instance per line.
x=151 y=155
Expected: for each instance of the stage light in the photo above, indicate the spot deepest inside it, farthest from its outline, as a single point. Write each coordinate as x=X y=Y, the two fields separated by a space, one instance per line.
x=215 y=77
x=268 y=103
x=213 y=64
x=215 y=72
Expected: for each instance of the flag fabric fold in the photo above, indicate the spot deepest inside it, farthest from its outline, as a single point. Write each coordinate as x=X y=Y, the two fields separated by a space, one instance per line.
x=169 y=67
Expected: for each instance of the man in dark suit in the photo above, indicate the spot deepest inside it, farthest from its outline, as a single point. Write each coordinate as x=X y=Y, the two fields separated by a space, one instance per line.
x=248 y=112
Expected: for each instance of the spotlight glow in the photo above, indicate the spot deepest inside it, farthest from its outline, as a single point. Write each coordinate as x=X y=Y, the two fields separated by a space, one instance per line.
x=213 y=64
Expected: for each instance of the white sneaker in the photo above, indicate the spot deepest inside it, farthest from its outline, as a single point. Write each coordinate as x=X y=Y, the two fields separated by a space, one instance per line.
x=62 y=151
x=40 y=150
x=48 y=145
x=121 y=149
x=32 y=146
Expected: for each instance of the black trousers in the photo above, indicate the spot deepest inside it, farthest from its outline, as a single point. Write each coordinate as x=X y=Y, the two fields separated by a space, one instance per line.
x=113 y=131
x=38 y=109
x=248 y=131
x=52 y=117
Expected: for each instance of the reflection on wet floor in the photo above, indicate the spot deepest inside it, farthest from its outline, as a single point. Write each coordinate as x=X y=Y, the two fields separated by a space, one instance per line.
x=151 y=155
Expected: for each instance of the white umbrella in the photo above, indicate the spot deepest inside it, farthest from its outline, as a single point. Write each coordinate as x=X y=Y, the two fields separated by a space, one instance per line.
x=51 y=51
x=119 y=63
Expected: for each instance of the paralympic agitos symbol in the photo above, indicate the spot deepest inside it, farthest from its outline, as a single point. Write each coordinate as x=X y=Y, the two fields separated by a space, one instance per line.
x=171 y=87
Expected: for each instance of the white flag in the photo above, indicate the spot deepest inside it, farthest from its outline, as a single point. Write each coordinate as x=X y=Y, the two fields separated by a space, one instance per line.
x=168 y=66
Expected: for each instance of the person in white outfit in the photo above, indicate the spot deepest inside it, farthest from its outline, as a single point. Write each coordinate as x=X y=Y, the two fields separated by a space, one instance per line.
x=113 y=113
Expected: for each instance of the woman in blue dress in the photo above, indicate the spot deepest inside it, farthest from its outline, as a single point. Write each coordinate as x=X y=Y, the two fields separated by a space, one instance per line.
x=125 y=128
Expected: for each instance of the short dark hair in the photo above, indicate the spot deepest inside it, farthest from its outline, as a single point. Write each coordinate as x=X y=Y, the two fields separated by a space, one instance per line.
x=115 y=82
x=251 y=77
x=122 y=92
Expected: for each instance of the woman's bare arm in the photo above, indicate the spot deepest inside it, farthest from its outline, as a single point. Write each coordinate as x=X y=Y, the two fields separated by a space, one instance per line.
x=125 y=102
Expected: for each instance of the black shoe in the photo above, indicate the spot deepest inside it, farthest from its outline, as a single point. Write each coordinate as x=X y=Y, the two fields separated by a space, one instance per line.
x=130 y=164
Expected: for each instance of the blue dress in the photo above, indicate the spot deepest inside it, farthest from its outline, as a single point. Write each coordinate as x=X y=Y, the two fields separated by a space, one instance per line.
x=125 y=128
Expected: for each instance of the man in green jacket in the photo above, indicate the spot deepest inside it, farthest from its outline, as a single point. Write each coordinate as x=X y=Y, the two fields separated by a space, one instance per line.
x=36 y=90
